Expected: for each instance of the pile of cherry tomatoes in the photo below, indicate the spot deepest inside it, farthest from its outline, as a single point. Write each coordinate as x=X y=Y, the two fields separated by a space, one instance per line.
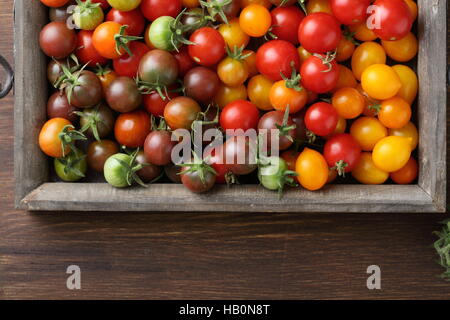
x=329 y=75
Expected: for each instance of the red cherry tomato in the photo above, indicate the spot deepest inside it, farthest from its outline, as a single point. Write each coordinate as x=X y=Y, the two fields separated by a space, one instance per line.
x=319 y=33
x=319 y=76
x=321 y=119
x=133 y=19
x=277 y=57
x=209 y=46
x=285 y=23
x=126 y=65
x=342 y=152
x=185 y=62
x=155 y=105
x=153 y=9
x=350 y=12
x=394 y=17
x=239 y=114
x=132 y=128
x=86 y=52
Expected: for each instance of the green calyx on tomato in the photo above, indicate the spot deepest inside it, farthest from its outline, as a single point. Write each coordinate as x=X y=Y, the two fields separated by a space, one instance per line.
x=121 y=169
x=199 y=167
x=102 y=71
x=92 y=120
x=284 y=128
x=237 y=53
x=273 y=173
x=68 y=136
x=69 y=80
x=148 y=88
x=72 y=167
x=72 y=65
x=375 y=107
x=87 y=15
x=123 y=40
x=340 y=167
x=216 y=8
x=350 y=36
x=294 y=81
x=327 y=59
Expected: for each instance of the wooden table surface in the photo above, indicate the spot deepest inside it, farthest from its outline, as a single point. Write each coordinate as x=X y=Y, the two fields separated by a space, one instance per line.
x=197 y=256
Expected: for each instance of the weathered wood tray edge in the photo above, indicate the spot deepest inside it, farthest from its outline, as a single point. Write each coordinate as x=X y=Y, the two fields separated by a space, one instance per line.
x=32 y=192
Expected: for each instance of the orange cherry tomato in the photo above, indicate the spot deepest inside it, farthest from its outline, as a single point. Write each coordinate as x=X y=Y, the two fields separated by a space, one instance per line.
x=348 y=102
x=259 y=92
x=380 y=82
x=407 y=174
x=255 y=20
x=368 y=131
x=265 y=3
x=344 y=49
x=367 y=54
x=346 y=79
x=226 y=95
x=104 y=40
x=54 y=3
x=312 y=170
x=303 y=54
x=251 y=62
x=362 y=33
x=410 y=83
x=402 y=50
x=313 y=6
x=281 y=96
x=395 y=113
x=412 y=8
x=233 y=34
x=408 y=131
x=49 y=140
x=106 y=76
x=367 y=172
x=371 y=105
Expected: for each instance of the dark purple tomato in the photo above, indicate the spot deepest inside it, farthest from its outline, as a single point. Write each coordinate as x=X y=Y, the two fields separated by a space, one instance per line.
x=100 y=118
x=123 y=95
x=172 y=172
x=99 y=151
x=201 y=84
x=61 y=14
x=149 y=172
x=54 y=69
x=198 y=181
x=158 y=67
x=57 y=40
x=59 y=107
x=158 y=147
x=85 y=90
x=300 y=127
x=273 y=120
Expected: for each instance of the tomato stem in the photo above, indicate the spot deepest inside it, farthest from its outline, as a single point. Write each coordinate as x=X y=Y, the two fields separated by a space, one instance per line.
x=123 y=40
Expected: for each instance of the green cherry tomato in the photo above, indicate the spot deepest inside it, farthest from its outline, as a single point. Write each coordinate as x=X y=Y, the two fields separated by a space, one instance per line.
x=124 y=5
x=71 y=168
x=162 y=35
x=121 y=169
x=274 y=174
x=88 y=15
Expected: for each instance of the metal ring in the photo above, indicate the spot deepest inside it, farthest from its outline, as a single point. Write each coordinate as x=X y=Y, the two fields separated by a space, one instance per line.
x=6 y=88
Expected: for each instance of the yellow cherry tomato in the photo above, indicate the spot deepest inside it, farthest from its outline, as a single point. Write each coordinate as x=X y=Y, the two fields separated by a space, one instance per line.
x=312 y=170
x=367 y=54
x=318 y=6
x=412 y=8
x=392 y=153
x=410 y=83
x=346 y=79
x=345 y=49
x=408 y=131
x=227 y=94
x=380 y=82
x=233 y=35
x=367 y=172
x=407 y=174
x=368 y=131
x=264 y=3
x=190 y=3
x=303 y=54
x=259 y=92
x=348 y=102
x=251 y=62
x=232 y=72
x=402 y=50
x=255 y=20
x=362 y=33
x=395 y=113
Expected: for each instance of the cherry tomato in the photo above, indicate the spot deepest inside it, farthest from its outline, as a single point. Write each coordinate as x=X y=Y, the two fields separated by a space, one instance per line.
x=282 y=95
x=321 y=119
x=158 y=147
x=277 y=57
x=86 y=52
x=233 y=72
x=350 y=12
x=132 y=128
x=201 y=84
x=185 y=62
x=103 y=3
x=259 y=91
x=290 y=157
x=380 y=81
x=153 y=9
x=229 y=9
x=209 y=46
x=342 y=152
x=367 y=172
x=313 y=6
x=104 y=39
x=54 y=3
x=410 y=83
x=368 y=131
x=362 y=33
x=365 y=55
x=123 y=95
x=402 y=50
x=128 y=66
x=57 y=41
x=412 y=8
x=49 y=140
x=303 y=54
x=250 y=58
x=106 y=77
x=371 y=105
x=265 y=3
x=392 y=153
x=190 y=3
x=312 y=170
x=226 y=95
x=340 y=128
x=285 y=23
x=349 y=103
x=98 y=152
x=274 y=120
x=181 y=112
x=346 y=79
x=133 y=19
x=395 y=19
x=395 y=113
x=345 y=49
x=155 y=105
x=407 y=174
x=58 y=107
x=408 y=131
x=233 y=34
x=319 y=76
x=239 y=114
x=319 y=33
x=124 y=5
x=255 y=20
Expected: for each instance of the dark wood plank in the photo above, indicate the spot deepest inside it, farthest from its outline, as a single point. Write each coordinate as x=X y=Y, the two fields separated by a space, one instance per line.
x=187 y=255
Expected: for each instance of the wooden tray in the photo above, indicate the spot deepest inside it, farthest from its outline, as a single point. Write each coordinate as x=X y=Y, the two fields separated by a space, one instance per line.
x=34 y=191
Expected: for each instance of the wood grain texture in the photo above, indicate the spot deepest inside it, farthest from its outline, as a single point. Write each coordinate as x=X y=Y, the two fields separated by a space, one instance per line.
x=192 y=255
